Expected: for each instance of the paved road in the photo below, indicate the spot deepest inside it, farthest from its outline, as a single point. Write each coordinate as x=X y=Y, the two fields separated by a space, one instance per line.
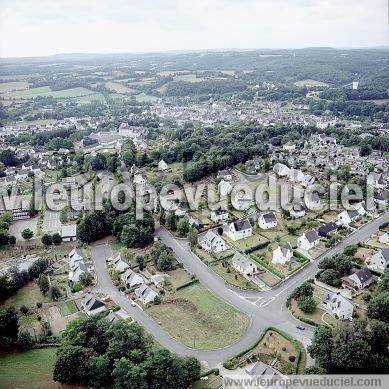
x=264 y=308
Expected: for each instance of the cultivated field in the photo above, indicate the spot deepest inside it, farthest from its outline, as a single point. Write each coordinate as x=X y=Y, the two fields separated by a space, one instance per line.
x=310 y=82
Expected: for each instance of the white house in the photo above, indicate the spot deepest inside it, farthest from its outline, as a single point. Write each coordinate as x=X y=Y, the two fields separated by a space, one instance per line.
x=131 y=279
x=312 y=200
x=283 y=254
x=219 y=214
x=91 y=305
x=336 y=304
x=162 y=166
x=281 y=170
x=244 y=265
x=308 y=241
x=347 y=217
x=379 y=262
x=290 y=146
x=145 y=294
x=267 y=220
x=377 y=180
x=77 y=266
x=120 y=265
x=297 y=210
x=212 y=242
x=138 y=179
x=69 y=233
x=225 y=175
x=240 y=229
x=384 y=238
x=224 y=188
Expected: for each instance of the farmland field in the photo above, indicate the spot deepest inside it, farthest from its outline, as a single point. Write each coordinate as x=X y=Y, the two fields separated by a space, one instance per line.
x=188 y=78
x=119 y=88
x=16 y=85
x=310 y=82
x=29 y=369
x=143 y=98
x=46 y=91
x=217 y=324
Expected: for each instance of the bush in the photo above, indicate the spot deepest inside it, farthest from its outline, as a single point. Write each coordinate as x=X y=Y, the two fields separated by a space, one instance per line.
x=39 y=304
x=292 y=358
x=307 y=304
x=23 y=309
x=25 y=341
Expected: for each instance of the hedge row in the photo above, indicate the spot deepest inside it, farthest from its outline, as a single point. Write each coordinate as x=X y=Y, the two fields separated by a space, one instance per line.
x=263 y=263
x=258 y=246
x=195 y=281
x=299 y=255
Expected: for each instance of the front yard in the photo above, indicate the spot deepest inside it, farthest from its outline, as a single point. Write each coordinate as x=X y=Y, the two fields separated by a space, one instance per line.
x=197 y=318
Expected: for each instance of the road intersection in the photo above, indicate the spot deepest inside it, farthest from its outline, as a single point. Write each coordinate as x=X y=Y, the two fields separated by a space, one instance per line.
x=265 y=308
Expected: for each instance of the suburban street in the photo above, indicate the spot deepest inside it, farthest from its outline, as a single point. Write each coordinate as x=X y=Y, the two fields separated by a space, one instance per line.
x=265 y=308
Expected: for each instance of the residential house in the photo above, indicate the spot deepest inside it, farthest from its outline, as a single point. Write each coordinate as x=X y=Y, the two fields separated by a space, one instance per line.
x=138 y=179
x=77 y=267
x=91 y=305
x=225 y=175
x=377 y=180
x=382 y=198
x=267 y=220
x=224 y=188
x=327 y=229
x=379 y=262
x=145 y=294
x=312 y=200
x=69 y=233
x=281 y=170
x=130 y=279
x=182 y=209
x=297 y=210
x=308 y=240
x=240 y=229
x=219 y=214
x=384 y=238
x=212 y=242
x=337 y=305
x=361 y=279
x=347 y=217
x=244 y=265
x=163 y=166
x=283 y=254
x=259 y=369
x=119 y=264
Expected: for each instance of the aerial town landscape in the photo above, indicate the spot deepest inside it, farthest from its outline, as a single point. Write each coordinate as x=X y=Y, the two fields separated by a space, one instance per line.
x=172 y=219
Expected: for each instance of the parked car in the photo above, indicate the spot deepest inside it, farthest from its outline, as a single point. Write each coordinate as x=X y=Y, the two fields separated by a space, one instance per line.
x=300 y=328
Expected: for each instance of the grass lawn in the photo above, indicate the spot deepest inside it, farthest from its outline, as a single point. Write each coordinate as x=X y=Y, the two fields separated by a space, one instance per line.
x=67 y=308
x=46 y=91
x=188 y=78
x=30 y=369
x=229 y=274
x=199 y=319
x=119 y=87
x=143 y=98
x=29 y=295
x=310 y=82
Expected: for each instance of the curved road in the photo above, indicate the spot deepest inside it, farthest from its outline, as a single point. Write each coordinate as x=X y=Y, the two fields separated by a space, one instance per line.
x=265 y=308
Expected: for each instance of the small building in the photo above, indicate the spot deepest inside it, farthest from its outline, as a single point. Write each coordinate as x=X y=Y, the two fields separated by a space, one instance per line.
x=130 y=279
x=379 y=262
x=219 y=214
x=91 y=305
x=267 y=220
x=283 y=254
x=163 y=166
x=297 y=210
x=240 y=229
x=337 y=305
x=77 y=267
x=281 y=170
x=119 y=264
x=359 y=280
x=244 y=265
x=212 y=243
x=384 y=238
x=224 y=188
x=69 y=233
x=308 y=241
x=347 y=217
x=225 y=175
x=327 y=229
x=145 y=294
x=259 y=369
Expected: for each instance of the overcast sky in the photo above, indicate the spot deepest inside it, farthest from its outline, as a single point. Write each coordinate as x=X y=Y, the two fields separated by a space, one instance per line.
x=42 y=27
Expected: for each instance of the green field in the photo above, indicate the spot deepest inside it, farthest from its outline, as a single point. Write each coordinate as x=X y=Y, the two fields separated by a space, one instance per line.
x=67 y=308
x=143 y=98
x=188 y=78
x=310 y=82
x=30 y=369
x=45 y=91
x=199 y=319
x=29 y=295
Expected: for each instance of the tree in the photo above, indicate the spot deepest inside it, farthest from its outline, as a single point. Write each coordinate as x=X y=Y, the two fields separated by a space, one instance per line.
x=304 y=290
x=11 y=240
x=183 y=227
x=44 y=284
x=25 y=341
x=191 y=368
x=165 y=261
x=86 y=279
x=140 y=262
x=47 y=239
x=307 y=304
x=9 y=328
x=322 y=346
x=56 y=238
x=365 y=150
x=383 y=284
x=193 y=237
x=378 y=307
x=330 y=277
x=69 y=367
x=171 y=222
x=98 y=370
x=27 y=234
x=350 y=250
x=38 y=267
x=55 y=293
x=127 y=375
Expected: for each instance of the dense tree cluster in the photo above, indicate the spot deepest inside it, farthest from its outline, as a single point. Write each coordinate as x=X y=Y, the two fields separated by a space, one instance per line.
x=5 y=237
x=162 y=256
x=97 y=354
x=333 y=268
